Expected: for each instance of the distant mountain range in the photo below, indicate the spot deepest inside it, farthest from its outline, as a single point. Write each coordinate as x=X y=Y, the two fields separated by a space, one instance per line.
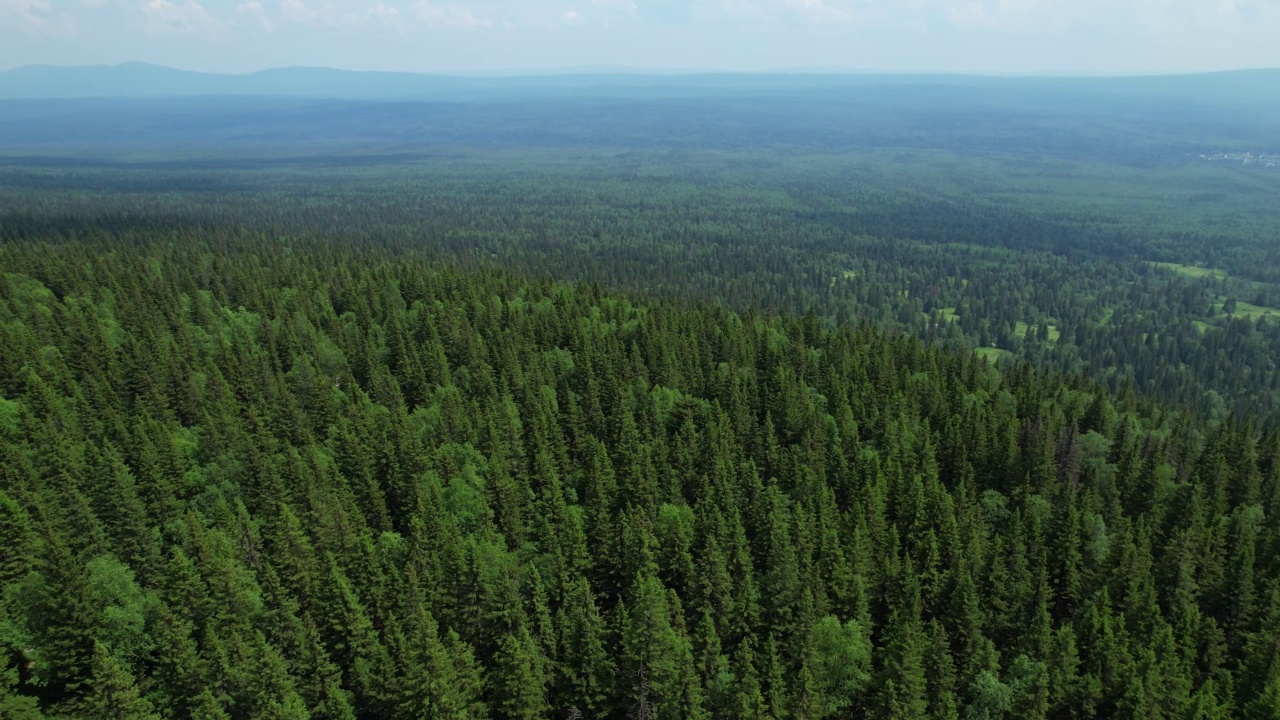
x=147 y=111
x=140 y=80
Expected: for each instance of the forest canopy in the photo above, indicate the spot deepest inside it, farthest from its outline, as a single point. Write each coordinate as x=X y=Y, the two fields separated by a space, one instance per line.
x=692 y=398
x=1136 y=276
x=252 y=479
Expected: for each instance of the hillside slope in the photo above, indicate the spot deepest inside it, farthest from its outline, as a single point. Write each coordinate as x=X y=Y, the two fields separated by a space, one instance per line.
x=241 y=480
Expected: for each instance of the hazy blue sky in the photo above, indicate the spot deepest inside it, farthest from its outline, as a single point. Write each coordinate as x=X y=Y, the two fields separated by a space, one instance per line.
x=1009 y=36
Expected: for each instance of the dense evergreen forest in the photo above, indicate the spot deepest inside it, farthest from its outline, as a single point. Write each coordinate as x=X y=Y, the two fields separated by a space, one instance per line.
x=1163 y=278
x=253 y=478
x=605 y=397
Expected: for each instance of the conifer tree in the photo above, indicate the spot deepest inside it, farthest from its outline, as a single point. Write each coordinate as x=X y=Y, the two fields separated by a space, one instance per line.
x=309 y=482
x=518 y=678
x=13 y=705
x=586 y=676
x=902 y=683
x=655 y=650
x=114 y=695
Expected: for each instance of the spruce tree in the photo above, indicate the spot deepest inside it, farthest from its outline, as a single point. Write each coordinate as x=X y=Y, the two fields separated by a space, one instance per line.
x=114 y=696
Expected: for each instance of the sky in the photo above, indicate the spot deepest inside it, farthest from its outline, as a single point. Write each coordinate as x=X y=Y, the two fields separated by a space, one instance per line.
x=521 y=36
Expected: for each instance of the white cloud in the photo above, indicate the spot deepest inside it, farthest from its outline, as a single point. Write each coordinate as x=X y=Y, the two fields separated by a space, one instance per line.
x=383 y=10
x=1018 y=15
x=188 y=18
x=1206 y=15
x=386 y=15
x=819 y=11
x=972 y=14
x=781 y=15
x=297 y=11
x=573 y=17
x=450 y=16
x=32 y=10
x=607 y=14
x=36 y=16
x=254 y=10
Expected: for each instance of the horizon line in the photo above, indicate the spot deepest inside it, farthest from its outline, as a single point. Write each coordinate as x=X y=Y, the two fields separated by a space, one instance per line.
x=606 y=69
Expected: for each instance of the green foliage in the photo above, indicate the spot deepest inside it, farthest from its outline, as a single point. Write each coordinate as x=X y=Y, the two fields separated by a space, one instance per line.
x=9 y=418
x=206 y=707
x=112 y=592
x=18 y=537
x=114 y=695
x=952 y=247
x=13 y=705
x=840 y=665
x=533 y=498
x=518 y=678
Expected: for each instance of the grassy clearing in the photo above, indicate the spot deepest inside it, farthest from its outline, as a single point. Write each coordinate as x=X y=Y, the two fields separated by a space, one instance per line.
x=949 y=314
x=1194 y=271
x=1020 y=329
x=844 y=275
x=993 y=354
x=1246 y=310
x=1254 y=312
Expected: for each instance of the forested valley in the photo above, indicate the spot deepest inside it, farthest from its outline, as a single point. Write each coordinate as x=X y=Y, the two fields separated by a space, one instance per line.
x=853 y=401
